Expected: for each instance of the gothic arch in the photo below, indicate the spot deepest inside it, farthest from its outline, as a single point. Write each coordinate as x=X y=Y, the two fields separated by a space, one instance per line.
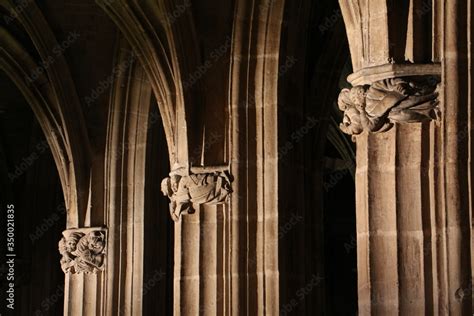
x=166 y=46
x=51 y=93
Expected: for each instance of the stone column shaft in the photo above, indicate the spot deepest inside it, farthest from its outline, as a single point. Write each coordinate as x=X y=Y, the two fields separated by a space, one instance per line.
x=413 y=181
x=393 y=222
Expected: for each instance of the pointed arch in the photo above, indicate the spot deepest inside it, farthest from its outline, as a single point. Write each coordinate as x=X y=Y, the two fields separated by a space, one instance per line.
x=51 y=93
x=166 y=46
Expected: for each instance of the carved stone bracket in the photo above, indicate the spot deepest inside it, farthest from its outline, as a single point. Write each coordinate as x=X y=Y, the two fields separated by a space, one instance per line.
x=197 y=185
x=83 y=250
x=376 y=107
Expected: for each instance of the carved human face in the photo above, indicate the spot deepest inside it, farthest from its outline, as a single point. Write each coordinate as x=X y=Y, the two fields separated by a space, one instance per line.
x=357 y=96
x=71 y=244
x=175 y=182
x=351 y=123
x=96 y=242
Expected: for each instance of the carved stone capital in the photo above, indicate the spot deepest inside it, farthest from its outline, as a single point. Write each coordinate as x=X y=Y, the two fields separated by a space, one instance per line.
x=83 y=250
x=198 y=185
x=378 y=106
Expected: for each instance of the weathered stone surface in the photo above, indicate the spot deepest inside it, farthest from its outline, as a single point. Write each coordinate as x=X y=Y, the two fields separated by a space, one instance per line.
x=83 y=250
x=186 y=189
x=413 y=219
x=125 y=91
x=377 y=107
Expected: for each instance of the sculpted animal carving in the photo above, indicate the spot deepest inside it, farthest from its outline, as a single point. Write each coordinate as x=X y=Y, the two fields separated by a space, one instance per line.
x=378 y=107
x=185 y=190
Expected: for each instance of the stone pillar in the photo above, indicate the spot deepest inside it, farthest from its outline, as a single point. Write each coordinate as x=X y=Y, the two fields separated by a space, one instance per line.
x=253 y=149
x=454 y=224
x=201 y=262
x=406 y=112
x=226 y=250
x=199 y=200
x=394 y=217
x=83 y=259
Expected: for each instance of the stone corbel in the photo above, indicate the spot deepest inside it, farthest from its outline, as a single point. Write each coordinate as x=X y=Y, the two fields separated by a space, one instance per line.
x=385 y=95
x=188 y=187
x=83 y=250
